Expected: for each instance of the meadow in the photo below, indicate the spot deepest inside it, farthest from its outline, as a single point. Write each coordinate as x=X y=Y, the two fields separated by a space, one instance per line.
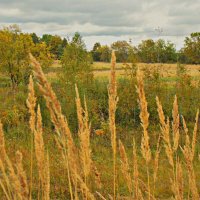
x=102 y=69
x=132 y=134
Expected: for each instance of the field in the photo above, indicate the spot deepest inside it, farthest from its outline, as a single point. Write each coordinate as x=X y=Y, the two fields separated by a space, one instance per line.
x=125 y=155
x=102 y=69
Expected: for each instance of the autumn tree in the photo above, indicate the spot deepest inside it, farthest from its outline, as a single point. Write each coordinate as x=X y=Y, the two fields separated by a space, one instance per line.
x=146 y=51
x=76 y=69
x=76 y=62
x=160 y=51
x=64 y=42
x=122 y=50
x=35 y=38
x=192 y=48
x=133 y=55
x=15 y=47
x=105 y=53
x=170 y=53
x=96 y=52
x=55 y=45
x=166 y=52
x=101 y=53
x=77 y=41
x=42 y=53
x=46 y=38
x=14 y=53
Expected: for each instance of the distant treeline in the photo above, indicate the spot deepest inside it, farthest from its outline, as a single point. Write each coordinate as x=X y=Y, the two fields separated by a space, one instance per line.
x=150 y=51
x=147 y=51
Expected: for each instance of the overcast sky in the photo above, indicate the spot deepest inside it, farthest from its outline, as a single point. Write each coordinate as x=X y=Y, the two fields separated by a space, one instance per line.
x=105 y=21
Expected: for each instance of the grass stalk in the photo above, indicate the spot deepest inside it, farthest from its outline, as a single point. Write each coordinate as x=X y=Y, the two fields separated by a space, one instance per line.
x=112 y=93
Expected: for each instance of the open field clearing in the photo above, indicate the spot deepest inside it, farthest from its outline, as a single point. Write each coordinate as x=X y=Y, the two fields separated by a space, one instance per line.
x=166 y=70
x=102 y=70
x=106 y=66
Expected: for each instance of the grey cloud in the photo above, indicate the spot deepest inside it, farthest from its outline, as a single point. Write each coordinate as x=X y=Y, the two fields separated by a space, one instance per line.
x=116 y=18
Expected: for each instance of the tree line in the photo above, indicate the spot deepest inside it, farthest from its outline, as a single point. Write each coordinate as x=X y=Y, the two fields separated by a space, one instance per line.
x=76 y=61
x=150 y=51
x=15 y=47
x=147 y=51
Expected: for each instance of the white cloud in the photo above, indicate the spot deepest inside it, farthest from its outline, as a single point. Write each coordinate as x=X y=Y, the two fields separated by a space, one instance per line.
x=9 y=12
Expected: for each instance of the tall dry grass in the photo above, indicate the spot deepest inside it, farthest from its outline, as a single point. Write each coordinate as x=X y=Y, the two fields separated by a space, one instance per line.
x=112 y=93
x=77 y=160
x=144 y=117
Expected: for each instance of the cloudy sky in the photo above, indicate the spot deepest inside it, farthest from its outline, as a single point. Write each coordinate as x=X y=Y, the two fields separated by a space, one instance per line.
x=105 y=20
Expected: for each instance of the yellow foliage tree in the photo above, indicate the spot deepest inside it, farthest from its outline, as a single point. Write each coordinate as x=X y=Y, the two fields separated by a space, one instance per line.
x=14 y=49
x=42 y=53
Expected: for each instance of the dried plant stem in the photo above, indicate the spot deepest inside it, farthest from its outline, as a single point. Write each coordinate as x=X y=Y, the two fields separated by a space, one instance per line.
x=13 y=182
x=42 y=162
x=178 y=186
x=4 y=182
x=144 y=117
x=165 y=128
x=194 y=138
x=137 y=192
x=69 y=180
x=156 y=160
x=21 y=175
x=125 y=167
x=2 y=144
x=58 y=119
x=37 y=130
x=112 y=92
x=31 y=103
x=84 y=135
x=31 y=164
x=100 y=195
x=188 y=152
x=175 y=124
x=148 y=181
x=71 y=158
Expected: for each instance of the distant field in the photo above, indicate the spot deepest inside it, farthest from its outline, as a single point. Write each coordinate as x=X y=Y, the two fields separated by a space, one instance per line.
x=101 y=69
